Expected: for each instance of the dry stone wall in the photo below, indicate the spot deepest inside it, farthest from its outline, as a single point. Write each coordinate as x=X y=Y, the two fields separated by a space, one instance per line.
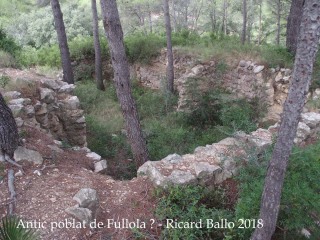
x=53 y=108
x=212 y=164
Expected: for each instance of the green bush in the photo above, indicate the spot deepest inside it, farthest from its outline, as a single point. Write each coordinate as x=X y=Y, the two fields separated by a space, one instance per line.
x=277 y=56
x=7 y=44
x=219 y=108
x=238 y=115
x=185 y=37
x=35 y=28
x=4 y=81
x=160 y=139
x=142 y=48
x=83 y=71
x=45 y=56
x=11 y=230
x=300 y=195
x=192 y=204
x=82 y=48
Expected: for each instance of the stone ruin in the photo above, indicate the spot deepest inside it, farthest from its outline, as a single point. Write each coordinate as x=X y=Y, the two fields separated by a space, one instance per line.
x=53 y=108
x=212 y=164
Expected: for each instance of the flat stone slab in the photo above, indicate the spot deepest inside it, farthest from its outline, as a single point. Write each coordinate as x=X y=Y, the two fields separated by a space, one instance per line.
x=23 y=153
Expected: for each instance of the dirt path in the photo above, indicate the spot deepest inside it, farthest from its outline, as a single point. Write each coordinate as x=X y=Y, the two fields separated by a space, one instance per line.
x=42 y=199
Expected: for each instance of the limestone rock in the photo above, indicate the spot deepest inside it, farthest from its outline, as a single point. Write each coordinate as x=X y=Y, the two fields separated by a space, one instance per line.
x=67 y=88
x=312 y=119
x=55 y=148
x=20 y=101
x=100 y=166
x=29 y=111
x=148 y=169
x=94 y=156
x=12 y=95
x=19 y=122
x=197 y=69
x=206 y=172
x=178 y=177
x=82 y=214
x=17 y=110
x=243 y=63
x=303 y=132
x=22 y=153
x=72 y=103
x=258 y=69
x=261 y=138
x=173 y=158
x=87 y=198
x=52 y=84
x=47 y=95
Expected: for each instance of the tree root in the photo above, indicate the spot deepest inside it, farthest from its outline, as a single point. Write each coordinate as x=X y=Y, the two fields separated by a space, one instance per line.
x=12 y=191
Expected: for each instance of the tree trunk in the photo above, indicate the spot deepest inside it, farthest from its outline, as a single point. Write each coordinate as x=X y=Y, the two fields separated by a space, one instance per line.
x=9 y=137
x=114 y=33
x=293 y=24
x=63 y=43
x=244 y=22
x=225 y=17
x=278 y=22
x=260 y=22
x=308 y=44
x=150 y=18
x=174 y=15
x=170 y=69
x=186 y=13
x=213 y=17
x=97 y=48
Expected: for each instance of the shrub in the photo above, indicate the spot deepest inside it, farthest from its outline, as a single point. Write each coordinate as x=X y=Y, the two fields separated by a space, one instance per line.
x=185 y=37
x=11 y=230
x=4 y=80
x=7 y=44
x=192 y=204
x=45 y=56
x=39 y=31
x=238 y=115
x=142 y=48
x=277 y=56
x=300 y=195
x=83 y=71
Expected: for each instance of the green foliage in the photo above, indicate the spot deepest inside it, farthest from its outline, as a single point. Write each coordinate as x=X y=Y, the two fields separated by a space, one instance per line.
x=300 y=195
x=238 y=115
x=11 y=230
x=219 y=108
x=4 y=80
x=7 y=44
x=142 y=48
x=83 y=71
x=277 y=56
x=151 y=103
x=81 y=48
x=45 y=56
x=2 y=171
x=185 y=37
x=39 y=30
x=192 y=204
